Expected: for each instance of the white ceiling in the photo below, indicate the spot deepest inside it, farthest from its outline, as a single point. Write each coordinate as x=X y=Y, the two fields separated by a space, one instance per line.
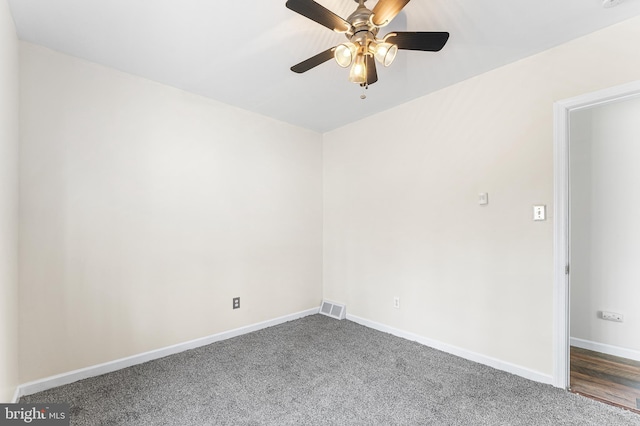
x=239 y=51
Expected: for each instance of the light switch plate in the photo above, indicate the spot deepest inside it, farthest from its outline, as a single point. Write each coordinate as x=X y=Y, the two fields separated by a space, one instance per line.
x=539 y=213
x=483 y=198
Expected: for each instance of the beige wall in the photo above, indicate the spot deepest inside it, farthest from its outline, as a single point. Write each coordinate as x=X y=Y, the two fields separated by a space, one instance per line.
x=145 y=210
x=401 y=216
x=605 y=236
x=8 y=205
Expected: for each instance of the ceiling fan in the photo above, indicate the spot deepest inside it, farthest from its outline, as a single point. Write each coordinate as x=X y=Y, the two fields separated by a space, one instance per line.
x=363 y=46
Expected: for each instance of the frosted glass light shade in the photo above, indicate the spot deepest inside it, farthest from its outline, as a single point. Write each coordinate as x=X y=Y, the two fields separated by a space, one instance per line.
x=358 y=73
x=345 y=53
x=385 y=53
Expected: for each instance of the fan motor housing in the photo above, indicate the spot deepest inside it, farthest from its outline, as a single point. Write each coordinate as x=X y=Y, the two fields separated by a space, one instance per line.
x=362 y=30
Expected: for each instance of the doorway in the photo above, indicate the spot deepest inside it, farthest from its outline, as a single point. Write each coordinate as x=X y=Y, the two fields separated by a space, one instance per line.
x=590 y=238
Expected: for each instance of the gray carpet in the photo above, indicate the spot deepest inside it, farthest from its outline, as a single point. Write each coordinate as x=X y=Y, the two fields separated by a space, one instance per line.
x=320 y=371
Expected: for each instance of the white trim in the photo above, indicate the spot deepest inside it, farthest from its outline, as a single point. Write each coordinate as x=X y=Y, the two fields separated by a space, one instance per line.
x=561 y=246
x=118 y=364
x=606 y=349
x=454 y=350
x=561 y=302
x=16 y=396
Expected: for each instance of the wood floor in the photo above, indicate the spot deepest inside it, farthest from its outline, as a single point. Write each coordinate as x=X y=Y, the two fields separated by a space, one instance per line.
x=608 y=378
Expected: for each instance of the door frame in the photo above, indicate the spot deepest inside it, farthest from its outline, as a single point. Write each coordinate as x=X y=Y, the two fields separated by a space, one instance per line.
x=561 y=229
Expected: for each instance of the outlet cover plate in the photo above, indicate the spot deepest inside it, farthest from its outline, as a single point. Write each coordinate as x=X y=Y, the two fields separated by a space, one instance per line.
x=612 y=316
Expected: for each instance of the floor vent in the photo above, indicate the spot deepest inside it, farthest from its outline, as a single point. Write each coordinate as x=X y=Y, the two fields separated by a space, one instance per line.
x=333 y=310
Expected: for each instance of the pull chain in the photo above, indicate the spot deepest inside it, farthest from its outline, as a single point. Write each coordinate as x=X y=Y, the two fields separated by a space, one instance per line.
x=364 y=87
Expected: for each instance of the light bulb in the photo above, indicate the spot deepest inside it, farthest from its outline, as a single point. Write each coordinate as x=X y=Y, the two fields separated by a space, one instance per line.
x=345 y=53
x=358 y=73
x=385 y=53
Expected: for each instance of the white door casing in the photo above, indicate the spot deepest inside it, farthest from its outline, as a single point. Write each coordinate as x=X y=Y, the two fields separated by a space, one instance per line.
x=562 y=110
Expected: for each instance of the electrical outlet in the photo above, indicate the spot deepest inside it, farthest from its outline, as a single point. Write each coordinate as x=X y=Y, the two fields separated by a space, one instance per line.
x=610 y=3
x=612 y=316
x=396 y=302
x=236 y=303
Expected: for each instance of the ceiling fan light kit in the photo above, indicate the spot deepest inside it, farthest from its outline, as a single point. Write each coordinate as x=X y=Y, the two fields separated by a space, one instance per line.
x=363 y=47
x=345 y=53
x=358 y=73
x=385 y=53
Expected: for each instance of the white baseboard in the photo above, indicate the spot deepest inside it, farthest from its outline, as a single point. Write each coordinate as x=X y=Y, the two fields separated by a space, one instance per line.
x=118 y=364
x=606 y=349
x=16 y=396
x=454 y=350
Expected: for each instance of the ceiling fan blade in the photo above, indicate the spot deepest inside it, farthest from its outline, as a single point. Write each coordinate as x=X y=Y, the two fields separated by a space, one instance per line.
x=320 y=14
x=313 y=61
x=386 y=10
x=425 y=41
x=372 y=74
